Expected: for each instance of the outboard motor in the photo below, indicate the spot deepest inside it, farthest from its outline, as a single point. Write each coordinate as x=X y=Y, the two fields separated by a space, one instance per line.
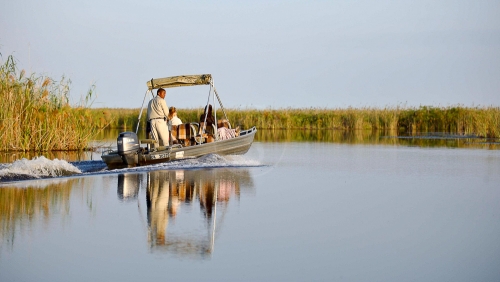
x=128 y=147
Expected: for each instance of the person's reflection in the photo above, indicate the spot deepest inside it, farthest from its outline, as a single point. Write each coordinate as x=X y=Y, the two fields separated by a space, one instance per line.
x=169 y=192
x=177 y=188
x=226 y=188
x=217 y=188
x=207 y=198
x=157 y=198
x=186 y=184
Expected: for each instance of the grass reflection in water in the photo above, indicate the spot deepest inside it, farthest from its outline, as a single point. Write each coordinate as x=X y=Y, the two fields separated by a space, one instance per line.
x=377 y=137
x=21 y=207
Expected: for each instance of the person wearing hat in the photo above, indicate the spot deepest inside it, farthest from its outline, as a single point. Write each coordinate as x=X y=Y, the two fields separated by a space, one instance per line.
x=157 y=117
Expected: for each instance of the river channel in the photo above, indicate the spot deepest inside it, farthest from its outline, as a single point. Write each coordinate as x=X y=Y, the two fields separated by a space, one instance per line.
x=297 y=207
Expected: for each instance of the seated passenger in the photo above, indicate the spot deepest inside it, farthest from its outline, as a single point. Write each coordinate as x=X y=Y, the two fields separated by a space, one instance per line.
x=225 y=132
x=173 y=122
x=172 y=116
x=208 y=117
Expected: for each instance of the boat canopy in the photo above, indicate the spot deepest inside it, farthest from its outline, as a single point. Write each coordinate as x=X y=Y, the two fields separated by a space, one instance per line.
x=183 y=80
x=178 y=81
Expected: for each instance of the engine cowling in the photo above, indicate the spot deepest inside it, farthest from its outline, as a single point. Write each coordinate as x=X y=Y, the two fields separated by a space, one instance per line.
x=128 y=147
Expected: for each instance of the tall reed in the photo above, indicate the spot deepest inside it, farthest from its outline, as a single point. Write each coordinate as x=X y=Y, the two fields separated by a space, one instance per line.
x=35 y=114
x=480 y=121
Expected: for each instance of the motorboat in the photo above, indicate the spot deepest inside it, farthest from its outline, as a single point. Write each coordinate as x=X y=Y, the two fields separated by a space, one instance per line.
x=193 y=139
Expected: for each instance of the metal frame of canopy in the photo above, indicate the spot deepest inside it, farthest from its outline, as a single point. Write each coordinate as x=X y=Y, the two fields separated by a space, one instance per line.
x=182 y=81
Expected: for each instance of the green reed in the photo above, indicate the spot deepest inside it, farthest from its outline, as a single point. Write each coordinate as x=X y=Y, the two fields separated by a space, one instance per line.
x=479 y=121
x=35 y=114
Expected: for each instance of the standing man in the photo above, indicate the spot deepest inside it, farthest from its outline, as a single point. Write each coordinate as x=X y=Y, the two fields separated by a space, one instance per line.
x=157 y=116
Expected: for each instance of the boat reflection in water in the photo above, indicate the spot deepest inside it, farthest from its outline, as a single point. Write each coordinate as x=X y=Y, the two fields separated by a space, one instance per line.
x=172 y=198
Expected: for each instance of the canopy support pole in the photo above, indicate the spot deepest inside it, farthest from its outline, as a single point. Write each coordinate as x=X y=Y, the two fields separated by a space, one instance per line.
x=206 y=111
x=142 y=107
x=215 y=111
x=218 y=98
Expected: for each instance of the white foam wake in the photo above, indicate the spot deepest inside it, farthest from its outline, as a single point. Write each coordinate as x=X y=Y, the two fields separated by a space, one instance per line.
x=38 y=167
x=208 y=161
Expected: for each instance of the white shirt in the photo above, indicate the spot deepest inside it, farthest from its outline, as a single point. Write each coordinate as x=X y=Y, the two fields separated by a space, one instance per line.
x=176 y=121
x=157 y=108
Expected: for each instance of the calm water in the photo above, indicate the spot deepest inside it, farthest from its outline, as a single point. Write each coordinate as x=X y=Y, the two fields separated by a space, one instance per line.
x=299 y=211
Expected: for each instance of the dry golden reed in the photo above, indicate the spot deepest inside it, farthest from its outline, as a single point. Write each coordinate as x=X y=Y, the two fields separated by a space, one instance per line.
x=35 y=114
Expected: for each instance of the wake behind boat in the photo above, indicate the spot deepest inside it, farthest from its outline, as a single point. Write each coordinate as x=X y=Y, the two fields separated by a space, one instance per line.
x=194 y=139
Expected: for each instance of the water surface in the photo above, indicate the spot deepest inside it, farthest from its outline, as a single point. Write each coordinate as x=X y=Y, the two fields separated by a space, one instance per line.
x=299 y=211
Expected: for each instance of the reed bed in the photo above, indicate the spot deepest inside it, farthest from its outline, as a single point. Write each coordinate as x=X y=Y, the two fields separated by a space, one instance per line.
x=476 y=121
x=35 y=114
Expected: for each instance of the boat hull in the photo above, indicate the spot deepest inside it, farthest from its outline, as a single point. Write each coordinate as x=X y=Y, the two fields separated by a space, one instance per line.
x=234 y=146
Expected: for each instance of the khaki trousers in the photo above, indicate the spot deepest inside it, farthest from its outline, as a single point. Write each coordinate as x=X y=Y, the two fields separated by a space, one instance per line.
x=159 y=131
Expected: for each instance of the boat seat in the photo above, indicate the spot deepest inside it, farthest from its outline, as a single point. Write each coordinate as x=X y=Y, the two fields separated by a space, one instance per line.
x=184 y=133
x=148 y=141
x=210 y=134
x=197 y=138
x=151 y=143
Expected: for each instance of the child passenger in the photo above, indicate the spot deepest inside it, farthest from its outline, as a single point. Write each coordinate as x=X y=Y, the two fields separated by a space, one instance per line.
x=173 y=122
x=172 y=116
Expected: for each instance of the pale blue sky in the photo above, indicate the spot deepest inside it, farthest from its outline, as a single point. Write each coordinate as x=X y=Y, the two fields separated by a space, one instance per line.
x=325 y=54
